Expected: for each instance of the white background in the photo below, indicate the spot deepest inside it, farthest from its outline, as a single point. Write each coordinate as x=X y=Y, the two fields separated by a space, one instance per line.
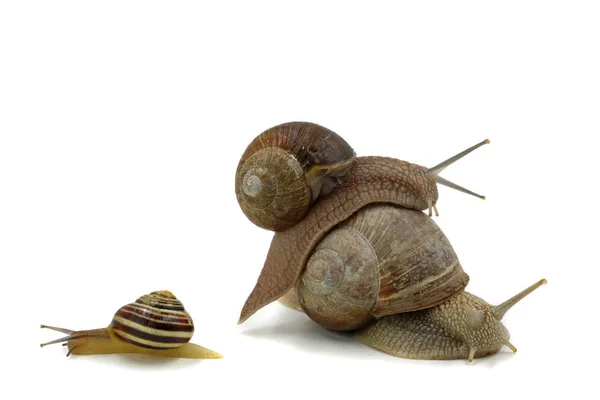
x=121 y=125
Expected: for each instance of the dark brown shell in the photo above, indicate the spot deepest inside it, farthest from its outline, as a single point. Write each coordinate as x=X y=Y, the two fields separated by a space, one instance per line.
x=383 y=260
x=285 y=169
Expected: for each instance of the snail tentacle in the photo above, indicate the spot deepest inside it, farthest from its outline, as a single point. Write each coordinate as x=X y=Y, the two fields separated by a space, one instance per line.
x=435 y=171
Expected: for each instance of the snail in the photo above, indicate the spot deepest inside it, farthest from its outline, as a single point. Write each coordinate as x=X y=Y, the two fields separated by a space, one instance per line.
x=365 y=258
x=155 y=324
x=319 y=162
x=288 y=167
x=389 y=273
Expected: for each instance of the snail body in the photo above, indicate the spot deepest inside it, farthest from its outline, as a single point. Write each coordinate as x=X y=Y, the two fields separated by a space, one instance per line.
x=155 y=324
x=463 y=327
x=365 y=258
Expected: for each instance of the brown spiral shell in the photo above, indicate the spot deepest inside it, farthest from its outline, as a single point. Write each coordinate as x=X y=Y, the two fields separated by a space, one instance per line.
x=383 y=260
x=285 y=169
x=155 y=321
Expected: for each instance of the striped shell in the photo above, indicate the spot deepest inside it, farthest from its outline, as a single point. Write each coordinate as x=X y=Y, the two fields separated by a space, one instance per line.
x=285 y=169
x=155 y=321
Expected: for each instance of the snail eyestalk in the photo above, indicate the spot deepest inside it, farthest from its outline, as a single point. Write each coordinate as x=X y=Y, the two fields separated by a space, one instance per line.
x=54 y=328
x=63 y=339
x=454 y=186
x=74 y=335
x=435 y=171
x=501 y=309
x=441 y=166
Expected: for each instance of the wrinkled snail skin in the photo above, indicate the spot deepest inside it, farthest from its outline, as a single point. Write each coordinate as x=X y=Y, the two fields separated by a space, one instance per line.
x=463 y=327
x=155 y=324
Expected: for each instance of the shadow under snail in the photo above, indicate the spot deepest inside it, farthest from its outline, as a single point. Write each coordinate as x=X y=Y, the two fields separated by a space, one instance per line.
x=353 y=250
x=155 y=324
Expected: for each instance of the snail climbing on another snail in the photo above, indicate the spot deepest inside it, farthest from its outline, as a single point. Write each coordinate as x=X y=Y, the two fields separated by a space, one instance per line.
x=155 y=324
x=306 y=158
x=288 y=167
x=363 y=257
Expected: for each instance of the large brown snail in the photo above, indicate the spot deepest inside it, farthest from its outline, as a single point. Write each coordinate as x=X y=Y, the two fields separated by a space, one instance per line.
x=363 y=256
x=155 y=324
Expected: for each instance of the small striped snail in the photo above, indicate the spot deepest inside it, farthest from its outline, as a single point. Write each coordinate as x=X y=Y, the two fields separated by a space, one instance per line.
x=365 y=258
x=155 y=324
